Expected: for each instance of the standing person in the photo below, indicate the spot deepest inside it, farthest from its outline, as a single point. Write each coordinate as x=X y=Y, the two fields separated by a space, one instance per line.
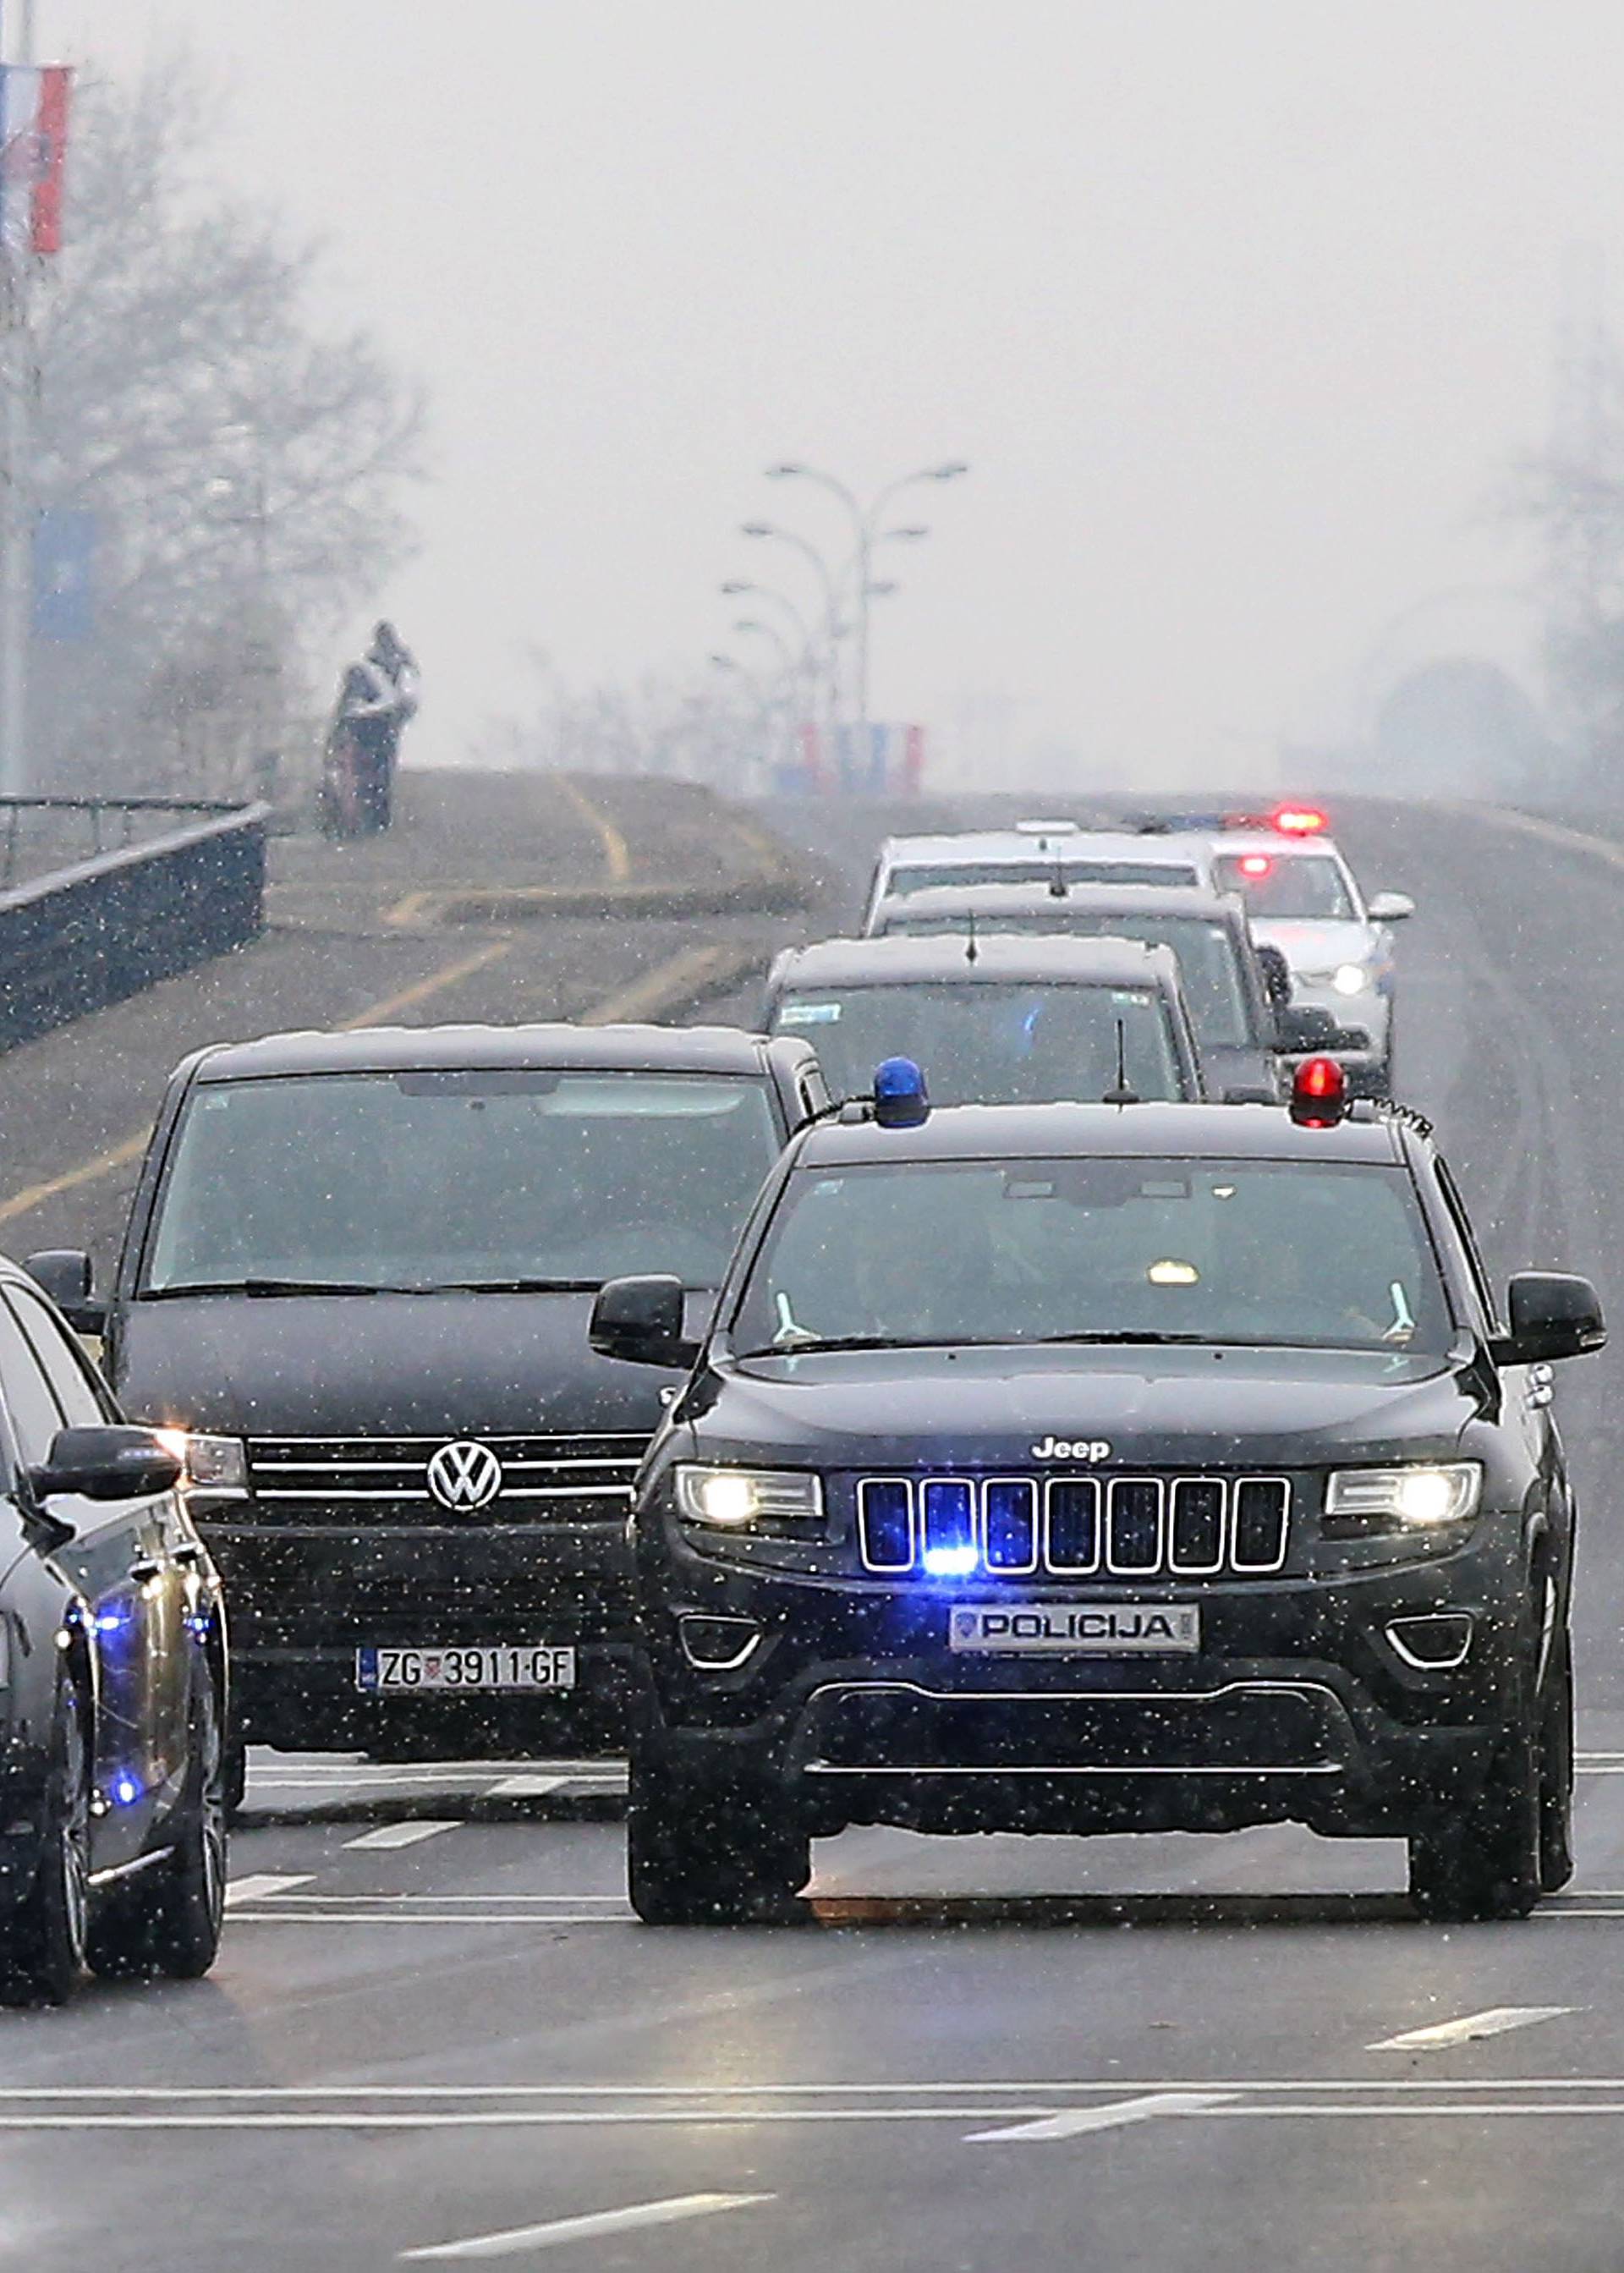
x=376 y=698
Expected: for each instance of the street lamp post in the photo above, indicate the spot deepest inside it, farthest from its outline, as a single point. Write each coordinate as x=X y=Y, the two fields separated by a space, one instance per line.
x=731 y=667
x=866 y=528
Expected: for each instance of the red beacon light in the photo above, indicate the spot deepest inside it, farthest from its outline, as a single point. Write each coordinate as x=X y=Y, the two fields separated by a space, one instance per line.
x=1255 y=863
x=1297 y=820
x=1319 y=1093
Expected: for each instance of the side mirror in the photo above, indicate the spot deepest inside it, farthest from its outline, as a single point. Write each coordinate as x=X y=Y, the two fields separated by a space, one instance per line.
x=642 y=1320
x=106 y=1464
x=1552 y=1316
x=1277 y=974
x=1391 y=907
x=64 y=1273
x=1304 y=1028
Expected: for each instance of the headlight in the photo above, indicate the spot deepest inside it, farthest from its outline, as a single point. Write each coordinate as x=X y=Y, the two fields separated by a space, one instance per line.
x=1350 y=978
x=1446 y=1491
x=213 y=1464
x=732 y=1498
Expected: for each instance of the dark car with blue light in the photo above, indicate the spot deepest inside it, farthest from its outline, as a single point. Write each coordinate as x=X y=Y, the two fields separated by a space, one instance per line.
x=113 y=1674
x=1086 y=1469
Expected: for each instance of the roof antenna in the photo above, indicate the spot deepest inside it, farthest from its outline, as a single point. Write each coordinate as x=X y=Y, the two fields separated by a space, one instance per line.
x=1121 y=1094
x=972 y=953
x=1058 y=888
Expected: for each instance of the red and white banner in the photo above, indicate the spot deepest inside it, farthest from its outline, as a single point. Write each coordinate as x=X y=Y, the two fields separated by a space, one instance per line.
x=33 y=143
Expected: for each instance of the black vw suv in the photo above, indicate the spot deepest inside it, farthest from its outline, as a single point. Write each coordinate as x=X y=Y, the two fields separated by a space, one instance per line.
x=358 y=1273
x=1083 y=1468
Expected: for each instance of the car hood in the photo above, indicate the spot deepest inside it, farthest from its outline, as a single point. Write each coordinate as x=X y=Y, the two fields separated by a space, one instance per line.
x=1164 y=1407
x=1319 y=946
x=408 y=1365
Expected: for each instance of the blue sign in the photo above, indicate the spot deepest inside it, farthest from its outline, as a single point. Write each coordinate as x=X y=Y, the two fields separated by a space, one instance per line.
x=64 y=573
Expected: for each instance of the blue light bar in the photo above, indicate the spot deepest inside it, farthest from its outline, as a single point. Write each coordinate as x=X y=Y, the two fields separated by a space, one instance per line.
x=899 y=1100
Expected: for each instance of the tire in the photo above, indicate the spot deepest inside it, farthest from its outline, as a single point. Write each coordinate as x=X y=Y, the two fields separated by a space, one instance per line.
x=234 y=1777
x=168 y=1919
x=1487 y=1861
x=1556 y=1766
x=699 y=1852
x=43 y=1956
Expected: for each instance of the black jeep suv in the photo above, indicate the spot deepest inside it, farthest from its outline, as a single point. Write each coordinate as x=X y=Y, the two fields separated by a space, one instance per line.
x=1086 y=1468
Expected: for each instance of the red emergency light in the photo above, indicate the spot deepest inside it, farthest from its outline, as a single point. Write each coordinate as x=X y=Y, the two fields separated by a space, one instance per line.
x=1297 y=820
x=1319 y=1093
x=1255 y=863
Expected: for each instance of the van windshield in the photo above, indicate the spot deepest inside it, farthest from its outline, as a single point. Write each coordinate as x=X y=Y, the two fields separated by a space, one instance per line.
x=479 y=1178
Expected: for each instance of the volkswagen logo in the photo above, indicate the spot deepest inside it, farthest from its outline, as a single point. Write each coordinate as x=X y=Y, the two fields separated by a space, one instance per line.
x=464 y=1477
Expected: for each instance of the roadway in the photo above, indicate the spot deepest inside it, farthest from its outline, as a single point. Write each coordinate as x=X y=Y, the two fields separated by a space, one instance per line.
x=435 y=2036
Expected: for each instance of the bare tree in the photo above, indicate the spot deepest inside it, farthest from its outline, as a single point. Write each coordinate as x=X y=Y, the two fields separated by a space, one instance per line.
x=713 y=730
x=246 y=469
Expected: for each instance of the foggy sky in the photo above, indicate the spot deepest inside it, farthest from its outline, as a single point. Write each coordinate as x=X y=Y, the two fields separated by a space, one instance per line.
x=1238 y=309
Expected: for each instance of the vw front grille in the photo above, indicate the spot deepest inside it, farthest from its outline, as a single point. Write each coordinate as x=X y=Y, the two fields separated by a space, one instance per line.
x=1185 y=1526
x=327 y=1480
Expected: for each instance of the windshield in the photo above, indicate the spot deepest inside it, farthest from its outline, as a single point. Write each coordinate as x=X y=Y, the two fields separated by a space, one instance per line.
x=1215 y=988
x=981 y=1042
x=923 y=877
x=1306 y=886
x=425 y=1179
x=1254 y=1252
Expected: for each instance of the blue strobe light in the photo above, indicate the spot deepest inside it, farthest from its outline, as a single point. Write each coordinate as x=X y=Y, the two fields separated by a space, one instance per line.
x=899 y=1101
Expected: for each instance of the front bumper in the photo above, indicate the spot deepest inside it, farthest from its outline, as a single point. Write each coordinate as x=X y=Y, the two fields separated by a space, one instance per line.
x=1297 y=1705
x=304 y=1599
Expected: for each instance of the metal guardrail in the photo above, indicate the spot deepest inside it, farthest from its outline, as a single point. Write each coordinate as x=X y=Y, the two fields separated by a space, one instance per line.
x=78 y=938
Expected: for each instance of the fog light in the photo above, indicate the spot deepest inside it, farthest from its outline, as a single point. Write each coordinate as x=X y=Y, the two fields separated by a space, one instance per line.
x=719 y=1645
x=1432 y=1644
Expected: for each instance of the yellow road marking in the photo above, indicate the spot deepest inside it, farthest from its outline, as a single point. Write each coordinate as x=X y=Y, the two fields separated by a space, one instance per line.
x=130 y=1149
x=616 y=858
x=376 y=1013
x=89 y=1172
x=693 y=971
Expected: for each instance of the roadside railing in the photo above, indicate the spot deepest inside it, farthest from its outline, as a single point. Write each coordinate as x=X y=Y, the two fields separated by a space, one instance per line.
x=96 y=929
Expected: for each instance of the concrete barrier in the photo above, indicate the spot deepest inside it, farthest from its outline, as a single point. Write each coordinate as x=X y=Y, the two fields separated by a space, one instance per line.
x=78 y=938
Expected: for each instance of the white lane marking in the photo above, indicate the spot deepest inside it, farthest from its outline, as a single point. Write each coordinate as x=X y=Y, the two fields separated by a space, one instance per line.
x=423 y=1917
x=399 y=1834
x=1553 y=832
x=1218 y=2108
x=259 y=1885
x=669 y=2212
x=526 y=2118
x=1495 y=2021
x=446 y=1902
x=1111 y=2090
x=1074 y=2120
x=526 y=1786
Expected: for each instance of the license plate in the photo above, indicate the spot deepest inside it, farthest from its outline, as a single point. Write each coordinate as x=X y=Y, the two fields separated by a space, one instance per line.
x=483 y=1665
x=1113 y=1629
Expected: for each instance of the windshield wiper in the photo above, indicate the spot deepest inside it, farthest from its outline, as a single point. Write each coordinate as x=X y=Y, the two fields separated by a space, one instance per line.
x=513 y=1286
x=1127 y=1337
x=816 y=1343
x=256 y=1288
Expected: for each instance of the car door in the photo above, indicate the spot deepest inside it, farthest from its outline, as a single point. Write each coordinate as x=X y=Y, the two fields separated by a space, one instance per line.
x=108 y=1561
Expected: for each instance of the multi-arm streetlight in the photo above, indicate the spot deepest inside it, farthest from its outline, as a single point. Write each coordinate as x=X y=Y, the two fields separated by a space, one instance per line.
x=865 y=521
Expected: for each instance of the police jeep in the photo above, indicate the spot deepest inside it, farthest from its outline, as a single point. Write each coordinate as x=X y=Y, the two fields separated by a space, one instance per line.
x=1087 y=1468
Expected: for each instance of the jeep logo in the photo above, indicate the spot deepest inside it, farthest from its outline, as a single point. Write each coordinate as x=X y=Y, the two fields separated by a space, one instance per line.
x=1062 y=1448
